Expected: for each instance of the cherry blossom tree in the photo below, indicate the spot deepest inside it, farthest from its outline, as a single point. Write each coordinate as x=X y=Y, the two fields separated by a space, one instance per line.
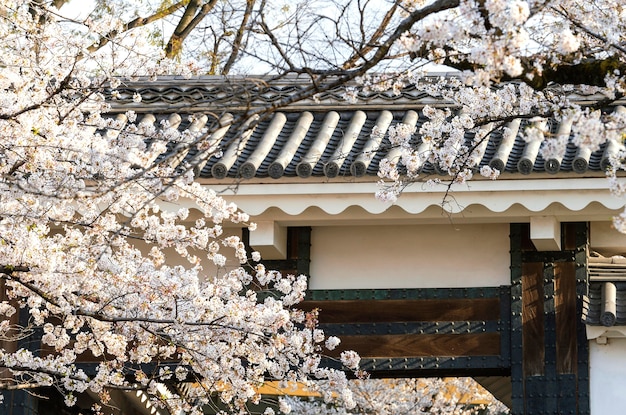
x=90 y=204
x=561 y=61
x=457 y=396
x=89 y=212
x=506 y=60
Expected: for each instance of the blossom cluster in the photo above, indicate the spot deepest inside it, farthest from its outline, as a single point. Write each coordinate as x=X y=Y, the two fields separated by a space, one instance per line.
x=400 y=396
x=491 y=42
x=93 y=220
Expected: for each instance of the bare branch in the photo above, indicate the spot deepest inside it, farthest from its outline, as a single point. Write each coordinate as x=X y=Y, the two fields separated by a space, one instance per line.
x=238 y=37
x=186 y=24
x=276 y=43
x=138 y=22
x=374 y=39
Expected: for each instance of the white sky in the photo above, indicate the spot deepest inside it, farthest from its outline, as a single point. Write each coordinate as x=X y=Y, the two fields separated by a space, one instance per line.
x=77 y=8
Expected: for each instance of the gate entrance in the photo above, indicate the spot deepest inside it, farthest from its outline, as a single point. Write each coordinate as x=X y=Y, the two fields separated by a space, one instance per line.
x=527 y=338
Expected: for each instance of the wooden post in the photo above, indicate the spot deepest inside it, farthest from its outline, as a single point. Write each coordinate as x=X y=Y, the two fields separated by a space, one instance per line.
x=549 y=352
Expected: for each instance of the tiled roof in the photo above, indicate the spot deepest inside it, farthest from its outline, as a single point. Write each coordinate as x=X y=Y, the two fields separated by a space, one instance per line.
x=602 y=293
x=328 y=137
x=607 y=291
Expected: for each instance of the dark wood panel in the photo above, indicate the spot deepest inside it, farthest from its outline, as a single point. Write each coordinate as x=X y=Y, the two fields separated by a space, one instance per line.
x=533 y=336
x=568 y=231
x=565 y=308
x=375 y=311
x=422 y=345
x=412 y=327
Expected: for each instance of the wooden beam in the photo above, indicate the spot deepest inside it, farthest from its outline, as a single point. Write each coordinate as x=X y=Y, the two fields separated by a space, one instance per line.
x=421 y=345
x=270 y=239
x=545 y=233
x=533 y=335
x=566 y=318
x=375 y=311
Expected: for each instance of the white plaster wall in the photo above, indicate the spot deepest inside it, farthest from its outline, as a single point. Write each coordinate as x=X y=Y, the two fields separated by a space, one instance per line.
x=606 y=240
x=417 y=256
x=209 y=269
x=607 y=365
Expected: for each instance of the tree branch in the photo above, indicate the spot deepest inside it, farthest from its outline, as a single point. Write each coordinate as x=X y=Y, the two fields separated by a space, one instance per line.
x=341 y=77
x=275 y=41
x=376 y=36
x=589 y=72
x=138 y=22
x=108 y=319
x=9 y=269
x=186 y=24
x=62 y=85
x=563 y=12
x=11 y=386
x=238 y=37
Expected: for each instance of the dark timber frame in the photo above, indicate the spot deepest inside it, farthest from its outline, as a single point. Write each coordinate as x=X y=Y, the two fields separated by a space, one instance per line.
x=549 y=355
x=532 y=330
x=419 y=332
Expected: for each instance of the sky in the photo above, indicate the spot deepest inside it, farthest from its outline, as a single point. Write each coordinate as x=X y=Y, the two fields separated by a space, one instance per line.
x=77 y=8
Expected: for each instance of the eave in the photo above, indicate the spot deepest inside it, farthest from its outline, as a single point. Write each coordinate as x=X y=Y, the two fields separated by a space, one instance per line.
x=298 y=201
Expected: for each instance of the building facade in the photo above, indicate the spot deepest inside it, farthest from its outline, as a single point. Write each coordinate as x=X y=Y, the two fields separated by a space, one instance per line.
x=517 y=282
x=489 y=279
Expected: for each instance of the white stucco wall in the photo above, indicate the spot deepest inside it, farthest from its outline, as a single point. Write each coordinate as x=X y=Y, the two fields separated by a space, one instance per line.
x=606 y=240
x=607 y=365
x=209 y=269
x=417 y=256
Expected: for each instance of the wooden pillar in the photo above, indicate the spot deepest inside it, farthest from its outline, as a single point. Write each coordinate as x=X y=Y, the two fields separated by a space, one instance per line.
x=549 y=352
